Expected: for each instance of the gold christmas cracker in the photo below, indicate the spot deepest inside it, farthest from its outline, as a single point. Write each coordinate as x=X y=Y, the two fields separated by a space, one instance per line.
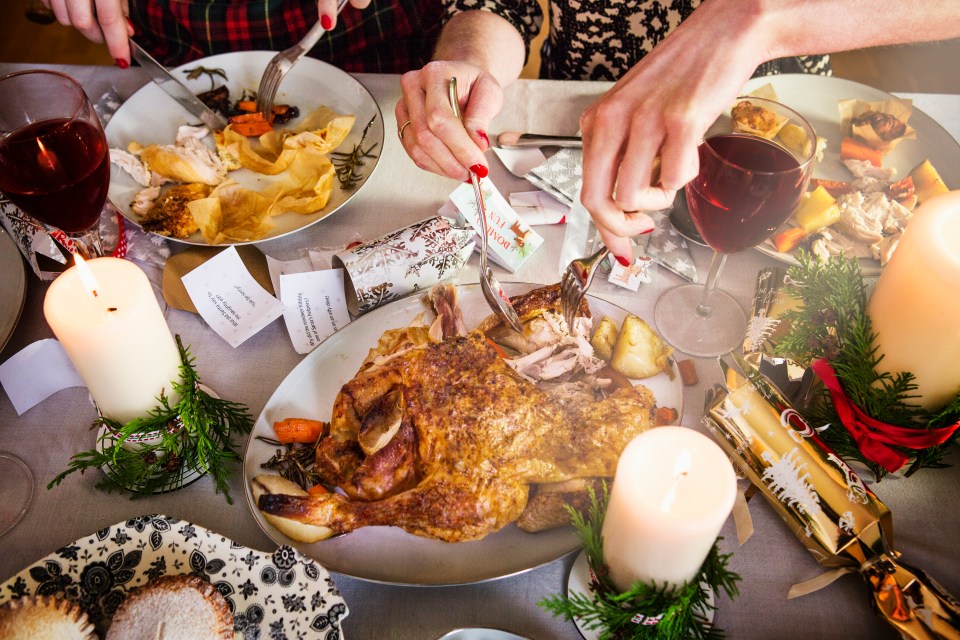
x=824 y=502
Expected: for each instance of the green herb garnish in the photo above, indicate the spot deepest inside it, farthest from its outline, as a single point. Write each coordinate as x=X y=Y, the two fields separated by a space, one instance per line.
x=196 y=72
x=348 y=165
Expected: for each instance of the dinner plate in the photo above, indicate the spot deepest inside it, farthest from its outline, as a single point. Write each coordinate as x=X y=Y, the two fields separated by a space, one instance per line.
x=271 y=595
x=816 y=98
x=151 y=116
x=389 y=554
x=13 y=286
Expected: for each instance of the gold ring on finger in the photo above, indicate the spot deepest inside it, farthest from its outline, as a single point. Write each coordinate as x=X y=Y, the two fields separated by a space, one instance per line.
x=402 y=127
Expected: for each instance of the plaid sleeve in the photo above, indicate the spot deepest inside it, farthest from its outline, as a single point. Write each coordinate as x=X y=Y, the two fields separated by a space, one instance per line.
x=525 y=15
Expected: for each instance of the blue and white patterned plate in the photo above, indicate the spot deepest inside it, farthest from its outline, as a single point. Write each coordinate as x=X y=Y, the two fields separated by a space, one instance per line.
x=283 y=594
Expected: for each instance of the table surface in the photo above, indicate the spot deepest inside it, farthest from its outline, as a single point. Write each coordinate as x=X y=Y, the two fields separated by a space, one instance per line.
x=924 y=506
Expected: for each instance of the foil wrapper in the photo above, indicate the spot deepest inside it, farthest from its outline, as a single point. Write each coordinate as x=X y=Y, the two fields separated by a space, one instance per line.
x=823 y=501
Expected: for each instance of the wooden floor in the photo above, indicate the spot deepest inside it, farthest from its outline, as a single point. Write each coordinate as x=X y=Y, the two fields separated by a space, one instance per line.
x=929 y=68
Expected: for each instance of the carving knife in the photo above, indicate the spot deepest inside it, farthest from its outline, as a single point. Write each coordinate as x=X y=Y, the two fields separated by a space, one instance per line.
x=176 y=89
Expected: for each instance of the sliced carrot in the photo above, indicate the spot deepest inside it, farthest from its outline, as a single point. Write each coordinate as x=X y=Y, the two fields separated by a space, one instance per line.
x=789 y=239
x=498 y=349
x=833 y=187
x=853 y=149
x=317 y=490
x=901 y=189
x=665 y=416
x=620 y=381
x=299 y=430
x=251 y=124
x=250 y=106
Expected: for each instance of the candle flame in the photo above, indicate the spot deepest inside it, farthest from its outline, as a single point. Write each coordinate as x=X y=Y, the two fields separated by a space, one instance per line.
x=47 y=159
x=86 y=276
x=680 y=468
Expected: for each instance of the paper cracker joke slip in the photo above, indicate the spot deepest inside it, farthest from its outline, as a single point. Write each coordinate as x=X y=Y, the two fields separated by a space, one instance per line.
x=510 y=241
x=229 y=299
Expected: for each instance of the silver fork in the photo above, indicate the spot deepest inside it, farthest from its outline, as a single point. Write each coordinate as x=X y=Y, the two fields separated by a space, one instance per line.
x=576 y=280
x=281 y=63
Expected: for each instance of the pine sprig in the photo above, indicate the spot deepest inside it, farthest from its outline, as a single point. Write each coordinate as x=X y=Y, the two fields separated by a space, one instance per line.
x=613 y=613
x=195 y=436
x=347 y=165
x=196 y=72
x=833 y=324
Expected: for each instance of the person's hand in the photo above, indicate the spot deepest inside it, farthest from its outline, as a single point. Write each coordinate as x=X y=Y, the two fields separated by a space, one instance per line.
x=430 y=132
x=656 y=116
x=106 y=21
x=99 y=21
x=327 y=10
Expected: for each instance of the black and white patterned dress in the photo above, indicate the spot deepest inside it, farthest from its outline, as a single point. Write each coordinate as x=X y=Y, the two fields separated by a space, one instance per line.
x=603 y=39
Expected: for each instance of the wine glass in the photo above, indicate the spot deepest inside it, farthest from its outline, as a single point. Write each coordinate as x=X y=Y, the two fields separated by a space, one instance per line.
x=54 y=160
x=16 y=490
x=755 y=163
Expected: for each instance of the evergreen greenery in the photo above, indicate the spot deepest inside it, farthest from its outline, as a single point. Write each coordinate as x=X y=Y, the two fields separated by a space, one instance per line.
x=832 y=323
x=194 y=436
x=613 y=614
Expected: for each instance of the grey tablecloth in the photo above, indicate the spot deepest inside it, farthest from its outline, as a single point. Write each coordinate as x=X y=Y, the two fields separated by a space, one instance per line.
x=924 y=507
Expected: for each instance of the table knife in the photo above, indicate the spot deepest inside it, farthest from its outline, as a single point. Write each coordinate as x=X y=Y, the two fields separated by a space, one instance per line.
x=515 y=139
x=176 y=89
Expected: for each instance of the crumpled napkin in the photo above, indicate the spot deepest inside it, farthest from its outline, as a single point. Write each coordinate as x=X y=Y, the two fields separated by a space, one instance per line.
x=562 y=175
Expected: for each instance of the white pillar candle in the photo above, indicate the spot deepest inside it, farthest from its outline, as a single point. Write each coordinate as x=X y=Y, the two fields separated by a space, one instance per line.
x=106 y=316
x=672 y=492
x=915 y=307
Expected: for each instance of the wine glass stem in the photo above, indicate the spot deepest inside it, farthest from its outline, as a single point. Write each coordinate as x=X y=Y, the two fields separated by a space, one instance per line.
x=713 y=279
x=88 y=243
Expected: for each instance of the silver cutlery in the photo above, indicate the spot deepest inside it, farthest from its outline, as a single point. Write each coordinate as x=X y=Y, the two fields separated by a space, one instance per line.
x=491 y=288
x=176 y=89
x=576 y=280
x=517 y=140
x=281 y=63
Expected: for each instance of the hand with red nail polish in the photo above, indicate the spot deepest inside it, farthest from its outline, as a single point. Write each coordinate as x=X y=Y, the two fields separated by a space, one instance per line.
x=99 y=21
x=480 y=170
x=484 y=138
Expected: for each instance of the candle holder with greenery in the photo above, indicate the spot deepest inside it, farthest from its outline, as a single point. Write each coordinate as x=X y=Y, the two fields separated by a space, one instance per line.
x=645 y=611
x=176 y=442
x=878 y=423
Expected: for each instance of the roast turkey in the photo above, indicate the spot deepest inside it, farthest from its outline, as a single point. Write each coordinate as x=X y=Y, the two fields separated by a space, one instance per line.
x=445 y=439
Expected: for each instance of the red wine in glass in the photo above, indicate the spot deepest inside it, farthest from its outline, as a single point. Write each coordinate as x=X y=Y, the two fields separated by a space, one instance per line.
x=54 y=160
x=747 y=187
x=58 y=171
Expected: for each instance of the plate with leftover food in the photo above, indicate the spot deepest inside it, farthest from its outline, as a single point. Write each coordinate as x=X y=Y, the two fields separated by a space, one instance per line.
x=268 y=594
x=881 y=158
x=13 y=286
x=258 y=179
x=443 y=450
